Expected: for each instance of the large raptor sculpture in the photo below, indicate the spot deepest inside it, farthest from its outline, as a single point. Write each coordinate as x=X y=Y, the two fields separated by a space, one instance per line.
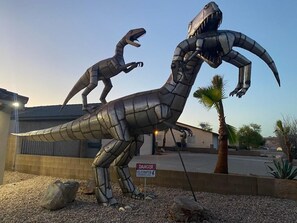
x=105 y=69
x=127 y=119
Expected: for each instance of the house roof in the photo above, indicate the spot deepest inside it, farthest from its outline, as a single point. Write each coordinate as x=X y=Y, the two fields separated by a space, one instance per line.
x=70 y=112
x=8 y=96
x=190 y=126
x=51 y=112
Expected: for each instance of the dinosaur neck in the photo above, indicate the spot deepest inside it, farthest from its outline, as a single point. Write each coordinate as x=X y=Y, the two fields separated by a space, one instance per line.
x=119 y=51
x=176 y=94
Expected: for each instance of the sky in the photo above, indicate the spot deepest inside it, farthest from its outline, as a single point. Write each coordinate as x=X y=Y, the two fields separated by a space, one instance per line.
x=45 y=46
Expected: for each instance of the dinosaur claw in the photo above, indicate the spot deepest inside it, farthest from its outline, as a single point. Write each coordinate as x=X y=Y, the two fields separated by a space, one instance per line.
x=89 y=109
x=232 y=93
x=140 y=64
x=240 y=93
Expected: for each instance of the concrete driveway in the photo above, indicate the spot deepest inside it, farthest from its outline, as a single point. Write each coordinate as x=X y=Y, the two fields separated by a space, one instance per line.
x=205 y=163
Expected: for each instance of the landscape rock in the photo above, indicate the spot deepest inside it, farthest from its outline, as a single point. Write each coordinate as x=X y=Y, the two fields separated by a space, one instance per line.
x=70 y=190
x=54 y=198
x=58 y=194
x=89 y=187
x=128 y=208
x=185 y=209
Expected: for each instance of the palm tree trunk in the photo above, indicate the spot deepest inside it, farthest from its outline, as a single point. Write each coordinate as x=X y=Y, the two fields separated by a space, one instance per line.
x=288 y=149
x=222 y=162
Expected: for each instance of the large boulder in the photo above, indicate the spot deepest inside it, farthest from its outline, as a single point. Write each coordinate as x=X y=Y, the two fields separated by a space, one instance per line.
x=185 y=209
x=58 y=194
x=70 y=190
x=53 y=198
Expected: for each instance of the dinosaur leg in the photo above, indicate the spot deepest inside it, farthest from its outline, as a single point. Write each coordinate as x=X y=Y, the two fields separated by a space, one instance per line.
x=244 y=77
x=123 y=172
x=93 y=83
x=107 y=87
x=101 y=164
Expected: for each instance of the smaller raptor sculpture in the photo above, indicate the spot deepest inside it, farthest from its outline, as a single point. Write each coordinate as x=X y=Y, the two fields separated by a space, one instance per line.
x=105 y=69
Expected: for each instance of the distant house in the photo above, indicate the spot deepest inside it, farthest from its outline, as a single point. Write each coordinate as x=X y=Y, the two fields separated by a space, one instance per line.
x=272 y=143
x=201 y=139
x=40 y=117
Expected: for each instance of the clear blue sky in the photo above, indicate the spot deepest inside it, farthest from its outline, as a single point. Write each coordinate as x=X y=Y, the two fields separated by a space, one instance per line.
x=45 y=46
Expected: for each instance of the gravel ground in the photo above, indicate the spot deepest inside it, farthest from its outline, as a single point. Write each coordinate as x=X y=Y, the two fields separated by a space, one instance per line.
x=21 y=193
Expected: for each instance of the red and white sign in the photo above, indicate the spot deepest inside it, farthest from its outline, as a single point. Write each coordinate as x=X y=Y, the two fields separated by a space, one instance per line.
x=145 y=170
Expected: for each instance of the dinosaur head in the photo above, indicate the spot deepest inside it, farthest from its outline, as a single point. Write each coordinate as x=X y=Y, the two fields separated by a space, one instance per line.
x=133 y=36
x=208 y=19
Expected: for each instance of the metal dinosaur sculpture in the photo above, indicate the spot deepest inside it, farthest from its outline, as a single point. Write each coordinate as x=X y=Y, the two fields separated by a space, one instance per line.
x=105 y=69
x=127 y=119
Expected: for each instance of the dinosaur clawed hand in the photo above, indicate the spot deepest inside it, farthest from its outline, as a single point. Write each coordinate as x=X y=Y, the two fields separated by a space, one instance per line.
x=136 y=64
x=137 y=196
x=238 y=92
x=139 y=64
x=186 y=131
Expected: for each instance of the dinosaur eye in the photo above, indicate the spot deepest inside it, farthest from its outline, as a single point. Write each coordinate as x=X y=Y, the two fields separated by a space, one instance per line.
x=206 y=6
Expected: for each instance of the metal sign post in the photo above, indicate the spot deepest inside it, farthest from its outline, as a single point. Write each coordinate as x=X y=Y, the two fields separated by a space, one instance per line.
x=145 y=170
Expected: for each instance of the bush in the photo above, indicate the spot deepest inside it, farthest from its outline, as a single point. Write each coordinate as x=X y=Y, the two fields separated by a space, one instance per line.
x=283 y=169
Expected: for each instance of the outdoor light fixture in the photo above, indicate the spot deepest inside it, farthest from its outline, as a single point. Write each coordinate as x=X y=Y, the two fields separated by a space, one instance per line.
x=16 y=104
x=10 y=101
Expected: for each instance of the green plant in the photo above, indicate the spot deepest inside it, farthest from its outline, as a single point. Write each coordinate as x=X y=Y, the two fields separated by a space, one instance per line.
x=283 y=169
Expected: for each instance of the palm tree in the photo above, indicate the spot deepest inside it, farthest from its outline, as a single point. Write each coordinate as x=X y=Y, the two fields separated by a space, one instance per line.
x=283 y=132
x=212 y=96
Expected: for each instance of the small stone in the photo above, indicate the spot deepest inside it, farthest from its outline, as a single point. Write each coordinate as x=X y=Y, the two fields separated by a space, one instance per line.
x=152 y=195
x=128 y=208
x=122 y=209
x=148 y=198
x=89 y=187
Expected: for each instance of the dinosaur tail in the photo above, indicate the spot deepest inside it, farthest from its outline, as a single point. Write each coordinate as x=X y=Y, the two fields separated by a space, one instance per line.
x=251 y=45
x=85 y=127
x=80 y=84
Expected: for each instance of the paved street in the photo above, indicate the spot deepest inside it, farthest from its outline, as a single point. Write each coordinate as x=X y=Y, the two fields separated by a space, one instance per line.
x=205 y=163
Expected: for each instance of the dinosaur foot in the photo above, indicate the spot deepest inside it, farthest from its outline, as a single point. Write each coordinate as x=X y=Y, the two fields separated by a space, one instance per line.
x=89 y=109
x=139 y=196
x=136 y=196
x=110 y=203
x=105 y=199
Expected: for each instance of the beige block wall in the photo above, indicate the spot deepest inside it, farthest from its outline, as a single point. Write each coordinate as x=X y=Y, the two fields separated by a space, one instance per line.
x=80 y=168
x=64 y=167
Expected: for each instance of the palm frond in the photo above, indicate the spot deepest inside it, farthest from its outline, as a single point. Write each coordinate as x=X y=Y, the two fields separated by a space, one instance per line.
x=232 y=136
x=219 y=84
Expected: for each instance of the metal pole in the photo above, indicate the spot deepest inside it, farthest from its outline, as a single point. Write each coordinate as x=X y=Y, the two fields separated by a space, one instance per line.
x=181 y=159
x=145 y=187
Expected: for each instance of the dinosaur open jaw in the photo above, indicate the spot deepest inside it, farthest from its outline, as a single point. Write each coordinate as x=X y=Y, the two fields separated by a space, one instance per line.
x=214 y=60
x=211 y=23
x=209 y=19
x=133 y=40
